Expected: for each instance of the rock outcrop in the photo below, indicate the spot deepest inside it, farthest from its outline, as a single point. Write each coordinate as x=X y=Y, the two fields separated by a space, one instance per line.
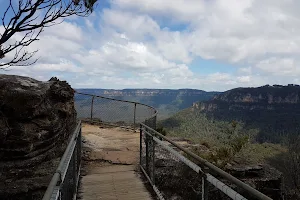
x=264 y=178
x=36 y=120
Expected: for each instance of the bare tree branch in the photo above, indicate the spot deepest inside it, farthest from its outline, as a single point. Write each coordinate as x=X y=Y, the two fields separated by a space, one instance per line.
x=30 y=17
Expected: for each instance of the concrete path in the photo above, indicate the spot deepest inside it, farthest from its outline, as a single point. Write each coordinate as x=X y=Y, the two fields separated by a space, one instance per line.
x=105 y=175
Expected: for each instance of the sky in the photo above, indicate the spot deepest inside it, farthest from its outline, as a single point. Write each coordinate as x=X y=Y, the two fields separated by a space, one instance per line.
x=213 y=45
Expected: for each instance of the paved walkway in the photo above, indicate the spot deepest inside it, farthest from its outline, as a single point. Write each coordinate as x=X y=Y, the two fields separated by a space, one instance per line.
x=106 y=177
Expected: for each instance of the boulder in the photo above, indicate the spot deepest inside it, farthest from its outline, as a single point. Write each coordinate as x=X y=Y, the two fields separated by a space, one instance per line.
x=36 y=121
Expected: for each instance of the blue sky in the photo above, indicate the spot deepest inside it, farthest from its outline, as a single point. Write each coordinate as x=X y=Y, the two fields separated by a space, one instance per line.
x=209 y=45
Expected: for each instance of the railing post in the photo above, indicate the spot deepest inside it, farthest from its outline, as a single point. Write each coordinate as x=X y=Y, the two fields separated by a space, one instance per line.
x=74 y=171
x=134 y=115
x=79 y=153
x=154 y=122
x=147 y=153
x=92 y=107
x=204 y=193
x=141 y=144
x=153 y=161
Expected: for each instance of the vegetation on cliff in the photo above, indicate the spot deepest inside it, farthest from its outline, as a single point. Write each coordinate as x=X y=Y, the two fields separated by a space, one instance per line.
x=227 y=141
x=246 y=126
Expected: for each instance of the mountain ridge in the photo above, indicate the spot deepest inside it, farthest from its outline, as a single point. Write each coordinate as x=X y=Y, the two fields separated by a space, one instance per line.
x=275 y=110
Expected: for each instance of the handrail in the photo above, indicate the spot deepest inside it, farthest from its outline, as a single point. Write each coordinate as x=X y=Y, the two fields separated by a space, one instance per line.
x=58 y=186
x=59 y=174
x=134 y=102
x=56 y=183
x=153 y=114
x=214 y=168
x=211 y=179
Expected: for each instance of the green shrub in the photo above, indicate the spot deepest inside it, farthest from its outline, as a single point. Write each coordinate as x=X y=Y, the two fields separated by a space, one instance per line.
x=224 y=154
x=239 y=142
x=162 y=131
x=226 y=141
x=204 y=143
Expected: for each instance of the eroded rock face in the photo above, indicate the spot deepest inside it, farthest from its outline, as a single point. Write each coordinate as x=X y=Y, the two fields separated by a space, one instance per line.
x=36 y=120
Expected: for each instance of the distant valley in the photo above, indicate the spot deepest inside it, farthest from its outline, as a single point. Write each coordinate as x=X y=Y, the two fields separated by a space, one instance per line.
x=274 y=111
x=166 y=101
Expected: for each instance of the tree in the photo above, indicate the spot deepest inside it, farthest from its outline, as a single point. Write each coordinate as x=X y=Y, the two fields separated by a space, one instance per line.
x=29 y=18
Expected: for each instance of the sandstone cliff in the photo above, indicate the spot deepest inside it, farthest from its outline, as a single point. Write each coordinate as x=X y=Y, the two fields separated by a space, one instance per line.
x=274 y=110
x=36 y=120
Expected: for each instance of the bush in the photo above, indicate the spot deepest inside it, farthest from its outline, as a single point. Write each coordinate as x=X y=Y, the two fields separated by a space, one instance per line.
x=238 y=143
x=204 y=143
x=162 y=131
x=225 y=153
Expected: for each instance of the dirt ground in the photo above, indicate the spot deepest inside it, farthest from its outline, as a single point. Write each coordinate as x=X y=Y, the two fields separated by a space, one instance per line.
x=114 y=145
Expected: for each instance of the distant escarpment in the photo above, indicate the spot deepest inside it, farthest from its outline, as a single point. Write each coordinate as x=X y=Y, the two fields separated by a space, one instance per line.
x=36 y=120
x=274 y=110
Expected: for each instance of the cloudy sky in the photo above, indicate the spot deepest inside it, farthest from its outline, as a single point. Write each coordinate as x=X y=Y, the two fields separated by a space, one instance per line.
x=201 y=44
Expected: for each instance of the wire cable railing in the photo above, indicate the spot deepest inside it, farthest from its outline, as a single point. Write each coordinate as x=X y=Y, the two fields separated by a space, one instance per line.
x=64 y=183
x=170 y=172
x=173 y=171
x=113 y=111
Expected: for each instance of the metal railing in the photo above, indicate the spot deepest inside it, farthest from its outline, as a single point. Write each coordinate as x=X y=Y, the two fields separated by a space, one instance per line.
x=64 y=183
x=170 y=172
x=170 y=168
x=113 y=111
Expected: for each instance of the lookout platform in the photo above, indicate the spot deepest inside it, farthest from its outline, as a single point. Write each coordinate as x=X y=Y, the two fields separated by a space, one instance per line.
x=110 y=159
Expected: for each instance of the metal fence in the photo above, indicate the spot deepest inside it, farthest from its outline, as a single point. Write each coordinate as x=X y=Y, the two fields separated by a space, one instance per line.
x=64 y=183
x=174 y=174
x=113 y=111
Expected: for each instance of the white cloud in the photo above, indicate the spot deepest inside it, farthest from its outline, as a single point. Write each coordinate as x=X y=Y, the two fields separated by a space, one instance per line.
x=66 y=30
x=138 y=43
x=183 y=10
x=245 y=70
x=233 y=31
x=244 y=79
x=280 y=66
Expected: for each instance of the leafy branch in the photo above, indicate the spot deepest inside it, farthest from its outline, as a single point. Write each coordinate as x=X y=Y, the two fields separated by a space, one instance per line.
x=30 y=17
